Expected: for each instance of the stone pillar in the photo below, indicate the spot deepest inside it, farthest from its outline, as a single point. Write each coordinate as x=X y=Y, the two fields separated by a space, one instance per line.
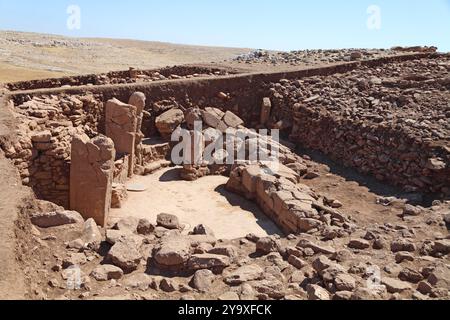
x=266 y=108
x=91 y=177
x=121 y=126
x=137 y=99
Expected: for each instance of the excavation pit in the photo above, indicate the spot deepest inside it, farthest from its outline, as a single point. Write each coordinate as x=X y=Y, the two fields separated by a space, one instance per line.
x=297 y=216
x=204 y=201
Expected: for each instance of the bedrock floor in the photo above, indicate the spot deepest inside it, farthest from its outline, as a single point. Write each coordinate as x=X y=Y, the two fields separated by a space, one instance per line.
x=204 y=201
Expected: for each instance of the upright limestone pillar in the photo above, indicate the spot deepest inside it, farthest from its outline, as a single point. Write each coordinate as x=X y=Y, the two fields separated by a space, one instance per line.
x=91 y=177
x=121 y=126
x=138 y=99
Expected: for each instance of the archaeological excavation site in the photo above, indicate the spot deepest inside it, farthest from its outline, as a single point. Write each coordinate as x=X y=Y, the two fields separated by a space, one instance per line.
x=357 y=208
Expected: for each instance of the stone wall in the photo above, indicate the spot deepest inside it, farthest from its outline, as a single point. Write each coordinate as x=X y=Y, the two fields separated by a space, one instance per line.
x=119 y=77
x=294 y=207
x=390 y=122
x=386 y=153
x=41 y=151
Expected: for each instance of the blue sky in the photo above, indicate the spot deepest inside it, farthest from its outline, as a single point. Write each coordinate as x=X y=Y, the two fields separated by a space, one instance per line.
x=270 y=24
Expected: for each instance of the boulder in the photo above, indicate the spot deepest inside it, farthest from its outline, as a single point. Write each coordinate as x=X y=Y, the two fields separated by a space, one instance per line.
x=107 y=272
x=266 y=245
x=119 y=195
x=213 y=118
x=344 y=282
x=203 y=280
x=316 y=292
x=410 y=210
x=139 y=281
x=232 y=120
x=201 y=229
x=442 y=246
x=92 y=237
x=169 y=285
x=225 y=250
x=440 y=277
x=172 y=252
x=208 y=261
x=168 y=221
x=410 y=275
x=145 y=227
x=403 y=245
x=125 y=255
x=113 y=236
x=191 y=116
x=296 y=262
x=56 y=218
x=394 y=285
x=168 y=122
x=127 y=225
x=271 y=287
x=42 y=137
x=316 y=247
x=244 y=274
x=359 y=244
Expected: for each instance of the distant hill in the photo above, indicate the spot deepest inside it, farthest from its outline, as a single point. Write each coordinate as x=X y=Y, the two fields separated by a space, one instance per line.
x=25 y=56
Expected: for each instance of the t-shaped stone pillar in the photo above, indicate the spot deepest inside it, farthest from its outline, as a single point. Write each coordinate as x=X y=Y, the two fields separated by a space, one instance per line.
x=121 y=127
x=91 y=177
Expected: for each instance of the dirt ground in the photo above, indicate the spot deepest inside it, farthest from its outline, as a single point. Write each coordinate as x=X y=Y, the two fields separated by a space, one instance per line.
x=12 y=284
x=29 y=56
x=204 y=201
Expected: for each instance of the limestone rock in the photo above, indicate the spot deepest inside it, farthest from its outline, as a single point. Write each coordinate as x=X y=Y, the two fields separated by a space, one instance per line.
x=92 y=237
x=232 y=120
x=229 y=296
x=56 y=218
x=202 y=280
x=169 y=121
x=403 y=245
x=266 y=109
x=42 y=137
x=125 y=255
x=316 y=292
x=213 y=118
x=192 y=115
x=208 y=261
x=144 y=227
x=107 y=272
x=344 y=282
x=225 y=250
x=127 y=225
x=168 y=221
x=91 y=175
x=266 y=245
x=359 y=244
x=173 y=252
x=119 y=195
x=201 y=229
x=394 y=285
x=244 y=274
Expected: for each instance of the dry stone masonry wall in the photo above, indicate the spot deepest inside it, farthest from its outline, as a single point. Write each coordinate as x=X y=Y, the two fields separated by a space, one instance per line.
x=391 y=122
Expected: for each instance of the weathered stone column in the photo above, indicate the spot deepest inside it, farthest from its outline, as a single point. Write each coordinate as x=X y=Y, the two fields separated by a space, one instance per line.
x=91 y=177
x=121 y=127
x=137 y=99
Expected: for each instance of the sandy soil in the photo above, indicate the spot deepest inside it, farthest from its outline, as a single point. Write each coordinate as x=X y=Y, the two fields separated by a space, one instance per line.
x=204 y=201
